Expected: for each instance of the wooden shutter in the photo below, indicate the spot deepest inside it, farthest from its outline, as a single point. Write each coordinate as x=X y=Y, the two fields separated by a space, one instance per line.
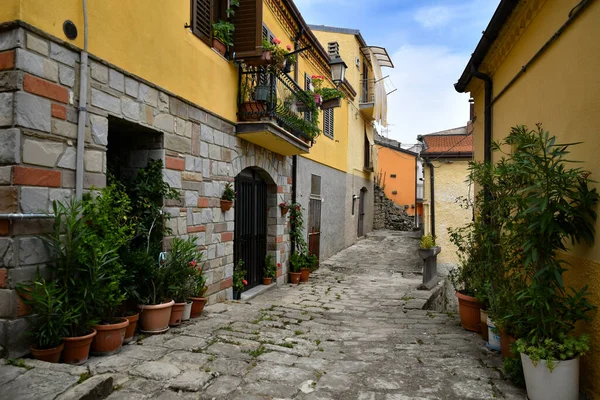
x=328 y=122
x=202 y=19
x=248 y=35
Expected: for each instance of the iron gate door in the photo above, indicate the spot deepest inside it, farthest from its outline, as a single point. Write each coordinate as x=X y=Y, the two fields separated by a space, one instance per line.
x=361 y=213
x=250 y=237
x=314 y=227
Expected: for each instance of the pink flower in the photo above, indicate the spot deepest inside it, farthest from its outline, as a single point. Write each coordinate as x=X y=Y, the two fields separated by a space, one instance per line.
x=279 y=265
x=289 y=47
x=245 y=282
x=276 y=41
x=193 y=263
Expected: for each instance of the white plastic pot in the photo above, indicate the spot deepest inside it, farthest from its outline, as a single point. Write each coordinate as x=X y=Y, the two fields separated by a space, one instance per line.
x=187 y=311
x=493 y=335
x=560 y=384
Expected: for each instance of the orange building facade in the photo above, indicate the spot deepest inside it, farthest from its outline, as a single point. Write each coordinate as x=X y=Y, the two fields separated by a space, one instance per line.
x=398 y=173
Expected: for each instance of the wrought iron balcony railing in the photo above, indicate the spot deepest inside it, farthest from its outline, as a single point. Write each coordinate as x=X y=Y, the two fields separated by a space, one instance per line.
x=275 y=96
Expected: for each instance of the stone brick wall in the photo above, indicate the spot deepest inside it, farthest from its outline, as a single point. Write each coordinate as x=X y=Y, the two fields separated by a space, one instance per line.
x=39 y=81
x=388 y=215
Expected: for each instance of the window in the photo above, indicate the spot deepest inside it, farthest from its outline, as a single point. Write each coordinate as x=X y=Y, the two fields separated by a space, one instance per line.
x=392 y=175
x=315 y=185
x=202 y=20
x=394 y=192
x=328 y=122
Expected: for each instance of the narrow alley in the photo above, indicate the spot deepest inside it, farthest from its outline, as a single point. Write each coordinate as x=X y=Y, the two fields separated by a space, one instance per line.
x=356 y=330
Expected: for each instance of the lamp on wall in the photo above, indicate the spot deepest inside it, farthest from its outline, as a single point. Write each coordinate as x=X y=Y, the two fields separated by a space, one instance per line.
x=338 y=70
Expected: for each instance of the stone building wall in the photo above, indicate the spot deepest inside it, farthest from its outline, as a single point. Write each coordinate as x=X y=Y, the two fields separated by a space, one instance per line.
x=388 y=215
x=39 y=78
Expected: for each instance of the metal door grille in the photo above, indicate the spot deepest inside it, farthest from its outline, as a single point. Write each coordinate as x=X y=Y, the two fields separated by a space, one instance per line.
x=361 y=213
x=314 y=227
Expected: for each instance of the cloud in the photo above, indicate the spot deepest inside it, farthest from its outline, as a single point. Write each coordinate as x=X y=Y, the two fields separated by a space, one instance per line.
x=435 y=17
x=425 y=101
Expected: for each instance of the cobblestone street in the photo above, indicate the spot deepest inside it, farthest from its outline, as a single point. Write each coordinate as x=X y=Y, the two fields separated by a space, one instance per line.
x=355 y=331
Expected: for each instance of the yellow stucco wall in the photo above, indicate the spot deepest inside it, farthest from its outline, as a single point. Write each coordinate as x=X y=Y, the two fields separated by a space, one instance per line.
x=562 y=91
x=450 y=186
x=391 y=162
x=9 y=10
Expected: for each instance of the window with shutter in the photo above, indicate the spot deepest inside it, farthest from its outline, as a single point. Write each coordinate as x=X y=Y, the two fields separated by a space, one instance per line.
x=307 y=85
x=248 y=33
x=202 y=19
x=328 y=122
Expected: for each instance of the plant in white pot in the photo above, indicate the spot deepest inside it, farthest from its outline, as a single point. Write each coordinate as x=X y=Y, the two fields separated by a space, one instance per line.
x=556 y=207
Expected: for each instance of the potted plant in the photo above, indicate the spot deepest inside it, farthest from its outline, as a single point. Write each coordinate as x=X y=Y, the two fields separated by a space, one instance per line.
x=227 y=197
x=199 y=285
x=238 y=279
x=285 y=207
x=51 y=317
x=325 y=97
x=309 y=261
x=275 y=57
x=296 y=264
x=222 y=36
x=269 y=271
x=427 y=247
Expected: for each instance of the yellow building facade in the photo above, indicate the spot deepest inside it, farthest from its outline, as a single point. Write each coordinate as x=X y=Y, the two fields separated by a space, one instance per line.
x=543 y=65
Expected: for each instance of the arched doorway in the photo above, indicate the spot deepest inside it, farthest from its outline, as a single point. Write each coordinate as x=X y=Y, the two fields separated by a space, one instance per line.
x=250 y=234
x=361 y=212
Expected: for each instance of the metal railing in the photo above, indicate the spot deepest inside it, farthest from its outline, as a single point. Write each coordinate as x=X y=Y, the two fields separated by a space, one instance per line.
x=267 y=95
x=367 y=90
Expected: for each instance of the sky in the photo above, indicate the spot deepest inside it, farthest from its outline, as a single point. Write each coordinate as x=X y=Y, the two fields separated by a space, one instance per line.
x=430 y=43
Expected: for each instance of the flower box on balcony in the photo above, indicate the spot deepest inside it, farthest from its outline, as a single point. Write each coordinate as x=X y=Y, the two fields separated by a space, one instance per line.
x=318 y=99
x=264 y=59
x=252 y=111
x=331 y=103
x=219 y=46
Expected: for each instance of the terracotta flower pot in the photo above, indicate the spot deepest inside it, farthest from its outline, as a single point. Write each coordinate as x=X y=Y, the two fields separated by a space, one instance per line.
x=51 y=355
x=252 y=111
x=505 y=342
x=219 y=46
x=226 y=205
x=267 y=281
x=197 y=306
x=284 y=211
x=295 y=277
x=468 y=308
x=304 y=274
x=109 y=337
x=176 y=314
x=187 y=311
x=77 y=349
x=155 y=318
x=130 y=331
x=484 y=328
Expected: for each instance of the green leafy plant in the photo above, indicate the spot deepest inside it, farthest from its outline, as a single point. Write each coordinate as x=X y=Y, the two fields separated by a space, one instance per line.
x=52 y=316
x=554 y=350
x=270 y=268
x=427 y=242
x=228 y=192
x=223 y=31
x=180 y=268
x=239 y=272
x=297 y=261
x=198 y=278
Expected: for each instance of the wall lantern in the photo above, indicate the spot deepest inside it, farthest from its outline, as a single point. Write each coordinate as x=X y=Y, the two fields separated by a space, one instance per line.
x=338 y=70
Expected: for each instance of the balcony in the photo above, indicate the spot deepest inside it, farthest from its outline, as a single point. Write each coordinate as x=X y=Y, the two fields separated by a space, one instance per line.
x=367 y=98
x=274 y=112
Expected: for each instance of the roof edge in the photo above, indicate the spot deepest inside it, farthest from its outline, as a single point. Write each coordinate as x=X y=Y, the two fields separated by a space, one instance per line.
x=501 y=15
x=333 y=29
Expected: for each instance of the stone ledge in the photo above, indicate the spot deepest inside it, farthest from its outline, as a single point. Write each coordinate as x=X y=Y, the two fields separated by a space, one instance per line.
x=255 y=291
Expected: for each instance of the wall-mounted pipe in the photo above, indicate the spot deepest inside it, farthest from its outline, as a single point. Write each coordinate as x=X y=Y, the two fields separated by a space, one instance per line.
x=15 y=216
x=432 y=195
x=82 y=117
x=487 y=127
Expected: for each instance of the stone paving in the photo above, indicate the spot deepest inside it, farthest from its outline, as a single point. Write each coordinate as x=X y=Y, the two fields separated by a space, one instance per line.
x=353 y=332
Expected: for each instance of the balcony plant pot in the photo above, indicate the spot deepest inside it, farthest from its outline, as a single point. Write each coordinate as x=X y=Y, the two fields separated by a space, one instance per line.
x=226 y=205
x=284 y=210
x=560 y=384
x=304 y=274
x=198 y=304
x=77 y=348
x=109 y=337
x=252 y=111
x=484 y=328
x=295 y=277
x=261 y=93
x=427 y=253
x=264 y=59
x=155 y=318
x=130 y=331
x=267 y=281
x=176 y=314
x=301 y=107
x=318 y=99
x=219 y=46
x=51 y=355
x=187 y=311
x=331 y=103
x=506 y=341
x=468 y=308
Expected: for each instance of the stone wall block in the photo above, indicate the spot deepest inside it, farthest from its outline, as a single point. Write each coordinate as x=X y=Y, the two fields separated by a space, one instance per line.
x=176 y=143
x=163 y=102
x=7 y=254
x=34 y=200
x=68 y=159
x=66 y=75
x=99 y=127
x=218 y=137
x=191 y=198
x=196 y=114
x=18 y=343
x=164 y=122
x=12 y=38
x=8 y=303
x=33 y=112
x=93 y=161
x=172 y=177
x=36 y=65
x=43 y=153
x=206 y=133
x=105 y=101
x=95 y=180
x=64 y=128
x=131 y=109
x=148 y=95
x=132 y=87
x=99 y=72
x=179 y=108
x=214 y=152
x=32 y=251
x=204 y=149
x=63 y=55
x=5 y=175
x=10 y=81
x=10 y=146
x=59 y=195
x=6 y=109
x=116 y=80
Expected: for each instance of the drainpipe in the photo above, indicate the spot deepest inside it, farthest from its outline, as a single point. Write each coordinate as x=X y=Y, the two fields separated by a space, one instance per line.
x=83 y=81
x=487 y=128
x=432 y=195
x=13 y=216
x=416 y=181
x=294 y=189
